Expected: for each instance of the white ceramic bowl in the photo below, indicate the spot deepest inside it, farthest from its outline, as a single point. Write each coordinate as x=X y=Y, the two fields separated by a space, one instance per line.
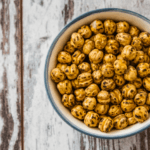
x=58 y=44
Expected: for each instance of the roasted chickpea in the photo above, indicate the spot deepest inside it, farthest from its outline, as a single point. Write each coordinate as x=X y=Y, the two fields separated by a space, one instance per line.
x=85 y=31
x=101 y=109
x=75 y=84
x=148 y=99
x=139 y=57
x=108 y=84
x=72 y=72
x=147 y=107
x=77 y=40
x=103 y=97
x=114 y=110
x=85 y=79
x=62 y=67
x=130 y=74
x=147 y=50
x=129 y=114
x=78 y=112
x=92 y=90
x=109 y=58
x=95 y=66
x=137 y=82
x=131 y=121
x=88 y=46
x=92 y=38
x=105 y=124
x=112 y=47
x=141 y=90
x=110 y=26
x=115 y=97
x=97 y=27
x=91 y=119
x=64 y=57
x=145 y=38
x=146 y=58
x=64 y=87
x=107 y=70
x=123 y=38
x=134 y=31
x=68 y=100
x=122 y=27
x=137 y=43
x=120 y=121
x=79 y=94
x=140 y=98
x=120 y=66
x=69 y=48
x=143 y=69
x=128 y=52
x=121 y=49
x=78 y=57
x=57 y=75
x=128 y=91
x=140 y=114
x=97 y=76
x=127 y=105
x=89 y=103
x=84 y=67
x=96 y=56
x=119 y=80
x=110 y=37
x=100 y=41
x=146 y=83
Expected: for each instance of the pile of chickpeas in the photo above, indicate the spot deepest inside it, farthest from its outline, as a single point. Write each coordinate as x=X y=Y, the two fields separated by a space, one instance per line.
x=103 y=75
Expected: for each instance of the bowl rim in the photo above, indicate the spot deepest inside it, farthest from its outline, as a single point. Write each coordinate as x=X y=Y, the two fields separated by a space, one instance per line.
x=106 y=136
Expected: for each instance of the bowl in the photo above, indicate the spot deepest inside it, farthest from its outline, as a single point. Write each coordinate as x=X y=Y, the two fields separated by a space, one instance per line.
x=55 y=98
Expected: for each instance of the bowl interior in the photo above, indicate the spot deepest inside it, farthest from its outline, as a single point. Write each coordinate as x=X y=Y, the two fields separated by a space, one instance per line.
x=58 y=45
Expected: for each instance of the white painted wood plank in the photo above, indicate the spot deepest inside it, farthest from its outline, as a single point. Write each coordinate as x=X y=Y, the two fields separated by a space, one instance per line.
x=44 y=129
x=10 y=79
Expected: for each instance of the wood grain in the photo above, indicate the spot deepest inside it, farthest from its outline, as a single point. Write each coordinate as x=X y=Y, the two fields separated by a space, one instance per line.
x=44 y=129
x=10 y=88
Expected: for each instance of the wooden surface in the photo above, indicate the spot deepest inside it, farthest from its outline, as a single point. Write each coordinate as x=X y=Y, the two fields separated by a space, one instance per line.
x=43 y=128
x=10 y=75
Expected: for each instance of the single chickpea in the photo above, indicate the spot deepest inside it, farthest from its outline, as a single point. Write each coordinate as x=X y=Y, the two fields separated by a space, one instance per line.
x=119 y=80
x=140 y=98
x=110 y=26
x=77 y=40
x=78 y=57
x=97 y=27
x=137 y=43
x=114 y=110
x=123 y=38
x=79 y=94
x=120 y=121
x=68 y=100
x=96 y=56
x=97 y=76
x=91 y=119
x=127 y=105
x=64 y=57
x=78 y=112
x=140 y=114
x=115 y=97
x=148 y=99
x=101 y=109
x=109 y=58
x=134 y=31
x=62 y=67
x=122 y=27
x=103 y=97
x=128 y=52
x=129 y=91
x=69 y=48
x=88 y=46
x=84 y=67
x=112 y=47
x=146 y=83
x=92 y=90
x=145 y=37
x=57 y=75
x=89 y=103
x=105 y=124
x=108 y=84
x=107 y=70
x=100 y=41
x=137 y=82
x=85 y=31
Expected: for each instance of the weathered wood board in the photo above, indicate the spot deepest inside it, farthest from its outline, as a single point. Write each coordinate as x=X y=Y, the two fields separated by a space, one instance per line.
x=44 y=129
x=10 y=75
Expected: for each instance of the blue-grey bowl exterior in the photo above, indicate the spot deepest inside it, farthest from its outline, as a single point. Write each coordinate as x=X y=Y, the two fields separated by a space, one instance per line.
x=47 y=64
